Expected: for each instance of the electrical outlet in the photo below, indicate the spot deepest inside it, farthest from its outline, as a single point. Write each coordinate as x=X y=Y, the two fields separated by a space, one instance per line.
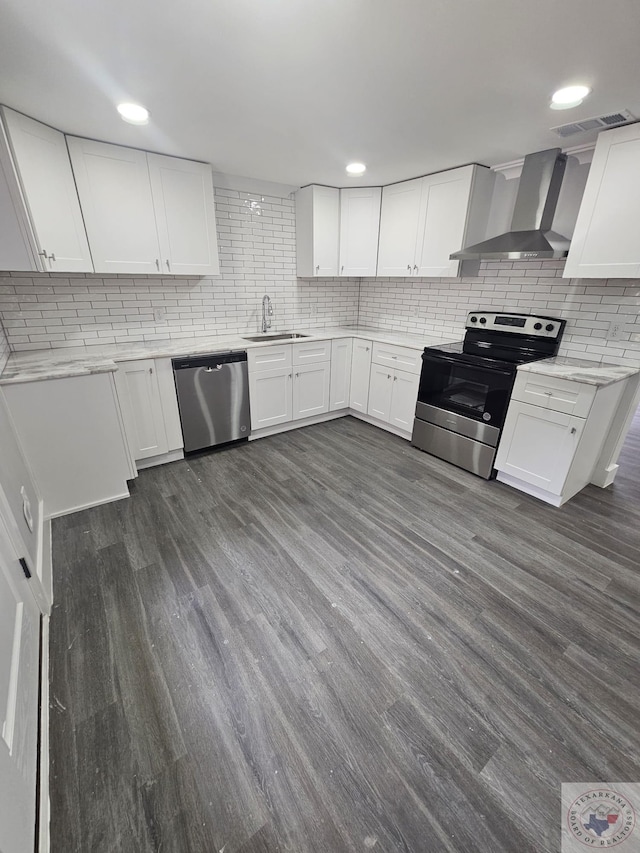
x=159 y=314
x=616 y=329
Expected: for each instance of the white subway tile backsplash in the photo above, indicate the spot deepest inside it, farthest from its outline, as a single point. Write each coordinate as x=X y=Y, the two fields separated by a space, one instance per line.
x=257 y=253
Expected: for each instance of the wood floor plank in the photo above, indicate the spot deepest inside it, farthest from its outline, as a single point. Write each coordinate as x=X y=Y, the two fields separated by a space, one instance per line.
x=330 y=641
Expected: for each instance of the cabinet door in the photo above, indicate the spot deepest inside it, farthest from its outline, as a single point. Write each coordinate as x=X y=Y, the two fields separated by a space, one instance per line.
x=380 y=388
x=44 y=170
x=317 y=230
x=19 y=648
x=139 y=396
x=537 y=445
x=340 y=374
x=399 y=228
x=359 y=229
x=360 y=375
x=404 y=393
x=115 y=194
x=443 y=215
x=270 y=396
x=311 y=390
x=605 y=240
x=185 y=215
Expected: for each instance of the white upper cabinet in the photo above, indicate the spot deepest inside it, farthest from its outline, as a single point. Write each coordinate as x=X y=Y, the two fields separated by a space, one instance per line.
x=606 y=240
x=317 y=231
x=423 y=221
x=52 y=220
x=399 y=228
x=359 y=228
x=115 y=193
x=145 y=213
x=183 y=203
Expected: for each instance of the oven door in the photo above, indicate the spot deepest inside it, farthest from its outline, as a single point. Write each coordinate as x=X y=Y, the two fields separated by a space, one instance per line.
x=477 y=391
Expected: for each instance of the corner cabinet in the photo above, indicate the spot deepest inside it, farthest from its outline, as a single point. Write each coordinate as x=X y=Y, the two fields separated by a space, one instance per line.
x=393 y=389
x=423 y=221
x=359 y=228
x=317 y=231
x=42 y=225
x=145 y=213
x=606 y=239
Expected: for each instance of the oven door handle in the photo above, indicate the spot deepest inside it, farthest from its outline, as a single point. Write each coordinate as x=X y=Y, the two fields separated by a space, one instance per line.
x=449 y=359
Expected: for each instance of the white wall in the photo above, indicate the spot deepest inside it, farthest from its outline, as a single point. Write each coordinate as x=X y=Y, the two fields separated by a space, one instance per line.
x=257 y=255
x=440 y=305
x=4 y=348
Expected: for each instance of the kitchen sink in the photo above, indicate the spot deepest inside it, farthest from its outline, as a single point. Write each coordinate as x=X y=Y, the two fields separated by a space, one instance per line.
x=285 y=336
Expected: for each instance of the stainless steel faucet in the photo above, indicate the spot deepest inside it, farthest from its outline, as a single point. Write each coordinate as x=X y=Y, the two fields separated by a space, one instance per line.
x=267 y=313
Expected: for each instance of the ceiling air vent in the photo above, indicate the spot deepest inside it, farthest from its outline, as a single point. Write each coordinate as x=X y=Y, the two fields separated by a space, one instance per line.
x=609 y=120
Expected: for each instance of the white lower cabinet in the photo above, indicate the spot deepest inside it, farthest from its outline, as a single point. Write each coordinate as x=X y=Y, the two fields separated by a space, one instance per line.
x=360 y=374
x=538 y=445
x=549 y=450
x=339 y=387
x=311 y=390
x=392 y=396
x=270 y=395
x=139 y=396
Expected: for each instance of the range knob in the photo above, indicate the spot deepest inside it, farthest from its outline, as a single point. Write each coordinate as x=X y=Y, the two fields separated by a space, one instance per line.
x=483 y=320
x=549 y=327
x=474 y=319
x=537 y=326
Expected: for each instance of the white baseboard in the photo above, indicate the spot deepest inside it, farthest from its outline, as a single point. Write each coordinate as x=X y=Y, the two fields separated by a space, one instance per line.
x=529 y=489
x=162 y=459
x=380 y=424
x=44 y=806
x=289 y=425
x=72 y=509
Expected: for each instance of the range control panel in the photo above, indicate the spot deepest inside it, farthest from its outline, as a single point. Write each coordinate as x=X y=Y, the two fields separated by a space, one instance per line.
x=518 y=324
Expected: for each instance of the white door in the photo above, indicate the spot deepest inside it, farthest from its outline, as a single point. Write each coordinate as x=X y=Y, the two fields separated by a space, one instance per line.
x=605 y=240
x=340 y=373
x=538 y=445
x=399 y=228
x=19 y=657
x=44 y=170
x=443 y=217
x=139 y=396
x=404 y=395
x=185 y=215
x=326 y=234
x=115 y=194
x=359 y=229
x=360 y=374
x=270 y=397
x=311 y=390
x=380 y=388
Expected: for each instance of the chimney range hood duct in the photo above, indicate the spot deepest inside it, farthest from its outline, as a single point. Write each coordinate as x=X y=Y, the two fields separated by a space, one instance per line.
x=530 y=235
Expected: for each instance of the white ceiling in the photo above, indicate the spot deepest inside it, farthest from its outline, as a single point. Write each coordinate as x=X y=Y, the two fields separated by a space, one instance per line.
x=292 y=90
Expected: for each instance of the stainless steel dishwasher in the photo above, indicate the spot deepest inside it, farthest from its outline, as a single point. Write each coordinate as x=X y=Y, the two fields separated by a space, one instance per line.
x=213 y=398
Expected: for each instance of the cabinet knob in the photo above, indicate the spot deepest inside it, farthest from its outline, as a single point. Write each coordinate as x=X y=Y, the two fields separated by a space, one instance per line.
x=297 y=375
x=366 y=349
x=388 y=376
x=151 y=370
x=290 y=375
x=573 y=430
x=395 y=378
x=168 y=266
x=318 y=268
x=341 y=270
x=157 y=264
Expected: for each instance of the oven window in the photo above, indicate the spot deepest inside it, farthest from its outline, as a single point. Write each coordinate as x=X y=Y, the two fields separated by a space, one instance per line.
x=477 y=392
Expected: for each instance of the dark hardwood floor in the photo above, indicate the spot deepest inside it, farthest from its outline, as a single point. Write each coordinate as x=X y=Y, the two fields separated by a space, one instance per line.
x=329 y=641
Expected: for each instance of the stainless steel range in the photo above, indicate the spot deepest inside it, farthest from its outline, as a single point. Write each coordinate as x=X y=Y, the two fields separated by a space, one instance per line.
x=465 y=387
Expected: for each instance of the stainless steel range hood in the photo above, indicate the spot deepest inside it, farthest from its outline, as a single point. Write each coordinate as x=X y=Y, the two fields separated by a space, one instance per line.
x=530 y=235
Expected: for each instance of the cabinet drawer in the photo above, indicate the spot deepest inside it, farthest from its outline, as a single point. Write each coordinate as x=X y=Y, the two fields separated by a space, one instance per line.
x=559 y=395
x=311 y=351
x=403 y=358
x=267 y=358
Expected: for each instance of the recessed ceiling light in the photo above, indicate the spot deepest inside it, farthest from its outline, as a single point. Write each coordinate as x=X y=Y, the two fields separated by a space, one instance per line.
x=570 y=96
x=134 y=113
x=356 y=169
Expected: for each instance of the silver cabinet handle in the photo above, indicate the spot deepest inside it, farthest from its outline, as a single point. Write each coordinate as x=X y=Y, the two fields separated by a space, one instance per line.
x=168 y=267
x=395 y=378
x=158 y=265
x=151 y=370
x=366 y=349
x=297 y=375
x=573 y=430
x=394 y=356
x=290 y=375
x=341 y=270
x=318 y=269
x=43 y=254
x=415 y=266
x=409 y=267
x=52 y=257
x=388 y=376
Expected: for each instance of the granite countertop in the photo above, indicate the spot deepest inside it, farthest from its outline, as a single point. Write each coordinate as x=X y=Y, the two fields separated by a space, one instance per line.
x=36 y=365
x=580 y=370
